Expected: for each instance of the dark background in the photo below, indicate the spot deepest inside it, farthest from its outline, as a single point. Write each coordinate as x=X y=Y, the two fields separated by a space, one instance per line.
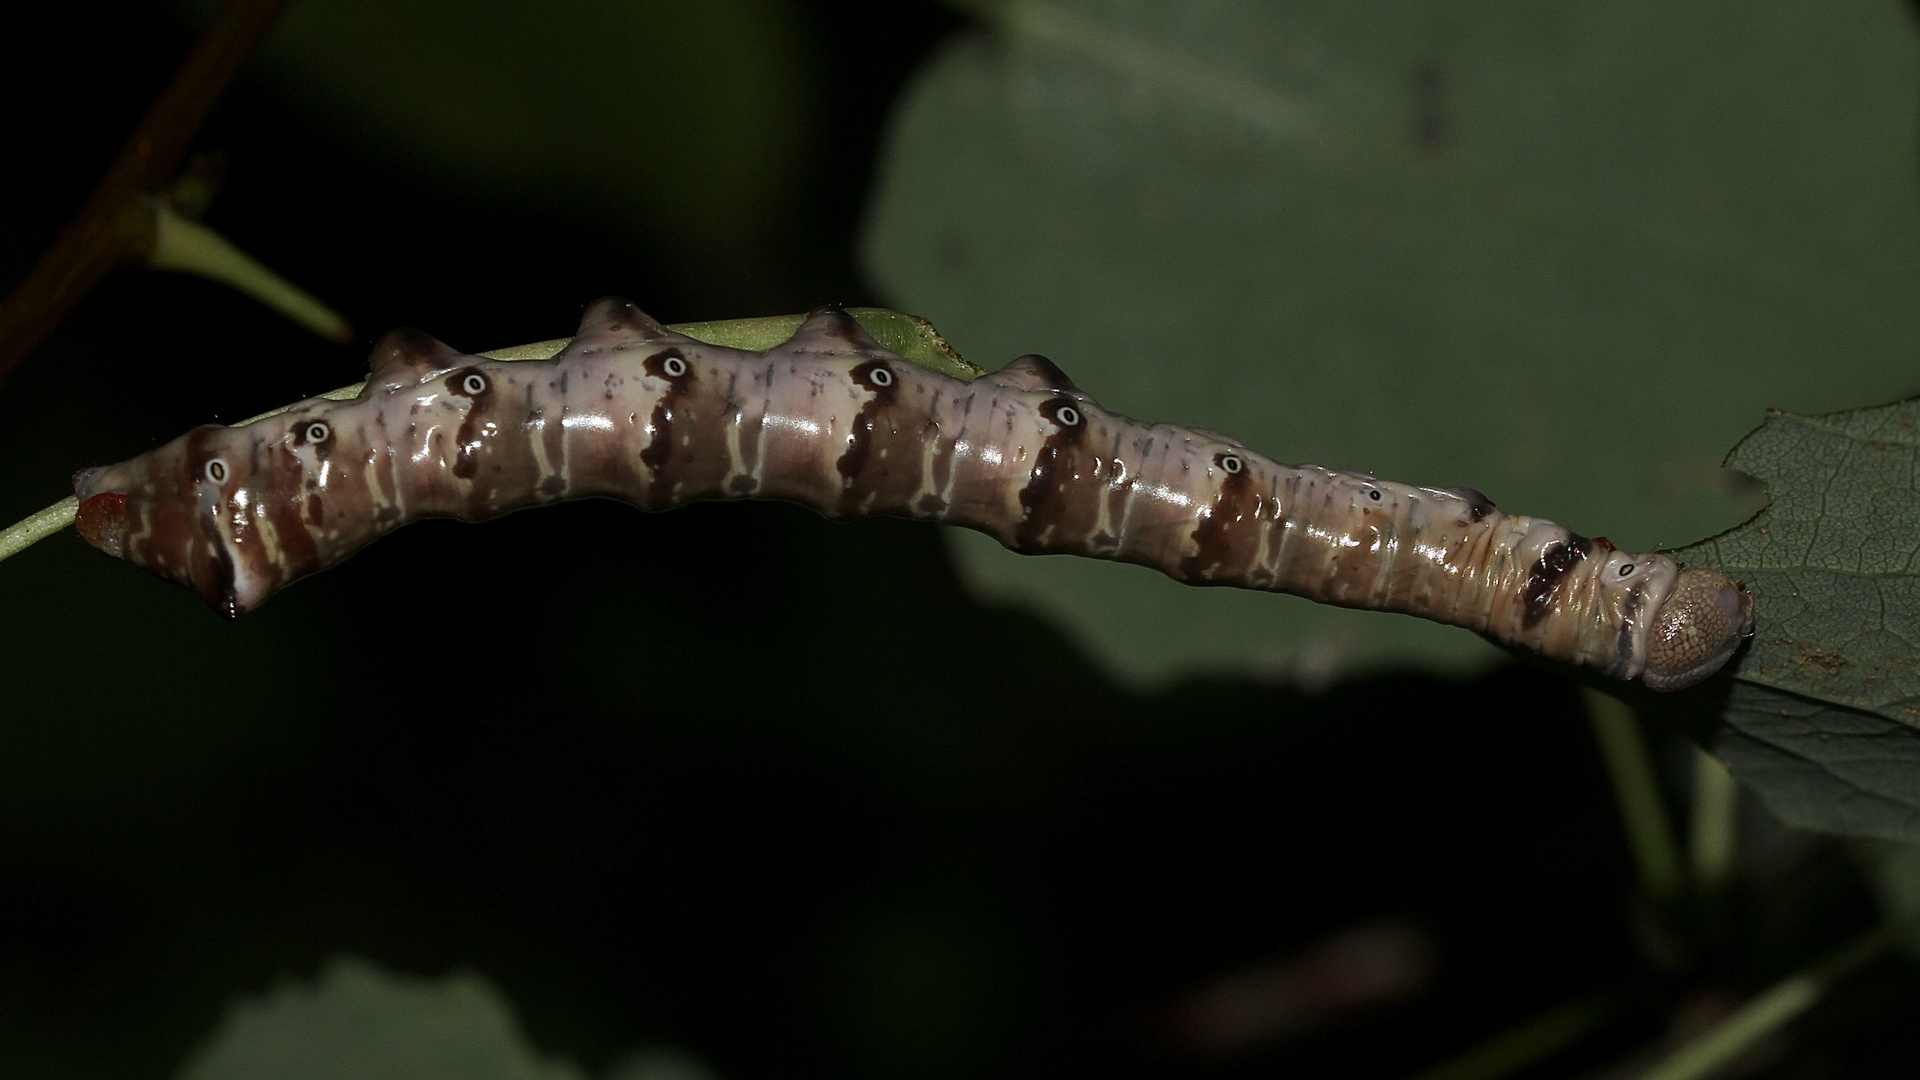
x=732 y=777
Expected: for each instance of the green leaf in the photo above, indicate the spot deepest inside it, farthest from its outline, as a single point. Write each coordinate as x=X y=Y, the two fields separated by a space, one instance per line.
x=1833 y=562
x=1826 y=721
x=908 y=335
x=1814 y=765
x=361 y=1023
x=1563 y=255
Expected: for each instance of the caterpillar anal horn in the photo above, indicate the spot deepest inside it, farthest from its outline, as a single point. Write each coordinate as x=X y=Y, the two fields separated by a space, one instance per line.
x=1699 y=627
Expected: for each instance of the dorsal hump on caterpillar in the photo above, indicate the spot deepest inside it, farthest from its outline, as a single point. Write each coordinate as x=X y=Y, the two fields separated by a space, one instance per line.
x=832 y=331
x=613 y=323
x=1032 y=373
x=403 y=357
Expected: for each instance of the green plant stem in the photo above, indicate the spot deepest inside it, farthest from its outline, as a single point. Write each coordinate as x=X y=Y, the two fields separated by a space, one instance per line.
x=25 y=533
x=1713 y=831
x=1770 y=1011
x=117 y=224
x=1643 y=813
x=1530 y=1042
x=185 y=245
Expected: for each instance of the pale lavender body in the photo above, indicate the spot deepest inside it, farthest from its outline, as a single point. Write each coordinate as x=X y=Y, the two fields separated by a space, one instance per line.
x=831 y=420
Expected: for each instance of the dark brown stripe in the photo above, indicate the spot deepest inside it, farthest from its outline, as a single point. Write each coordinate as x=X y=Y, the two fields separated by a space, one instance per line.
x=1372 y=541
x=1543 y=581
x=210 y=567
x=462 y=383
x=879 y=379
x=659 y=448
x=1044 y=500
x=1229 y=533
x=301 y=434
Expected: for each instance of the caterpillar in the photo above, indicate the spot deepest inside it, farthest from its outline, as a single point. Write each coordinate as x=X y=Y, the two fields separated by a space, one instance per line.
x=830 y=419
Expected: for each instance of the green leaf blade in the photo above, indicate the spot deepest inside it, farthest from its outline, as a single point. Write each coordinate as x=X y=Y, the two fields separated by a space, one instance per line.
x=1831 y=562
x=1814 y=764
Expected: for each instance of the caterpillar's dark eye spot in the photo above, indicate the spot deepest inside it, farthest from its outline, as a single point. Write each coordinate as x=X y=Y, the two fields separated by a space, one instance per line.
x=473 y=384
x=318 y=432
x=1231 y=463
x=1626 y=570
x=668 y=364
x=217 y=471
x=1064 y=412
x=1375 y=495
x=875 y=375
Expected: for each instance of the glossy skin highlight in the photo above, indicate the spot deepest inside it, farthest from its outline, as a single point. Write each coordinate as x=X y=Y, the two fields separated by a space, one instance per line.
x=831 y=420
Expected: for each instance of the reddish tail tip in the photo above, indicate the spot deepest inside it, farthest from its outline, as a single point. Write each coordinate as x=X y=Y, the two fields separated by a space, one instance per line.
x=102 y=521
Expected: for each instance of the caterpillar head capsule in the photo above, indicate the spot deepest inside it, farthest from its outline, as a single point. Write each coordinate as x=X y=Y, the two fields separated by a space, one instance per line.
x=1697 y=630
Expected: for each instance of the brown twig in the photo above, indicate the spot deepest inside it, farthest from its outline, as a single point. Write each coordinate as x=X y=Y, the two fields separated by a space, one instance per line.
x=117 y=224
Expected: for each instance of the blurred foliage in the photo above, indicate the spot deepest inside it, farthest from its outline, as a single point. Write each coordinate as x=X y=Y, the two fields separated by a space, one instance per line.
x=358 y=1022
x=1564 y=256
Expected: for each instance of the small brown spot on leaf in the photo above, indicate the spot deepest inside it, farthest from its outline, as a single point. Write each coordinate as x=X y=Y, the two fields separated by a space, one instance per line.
x=1831 y=663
